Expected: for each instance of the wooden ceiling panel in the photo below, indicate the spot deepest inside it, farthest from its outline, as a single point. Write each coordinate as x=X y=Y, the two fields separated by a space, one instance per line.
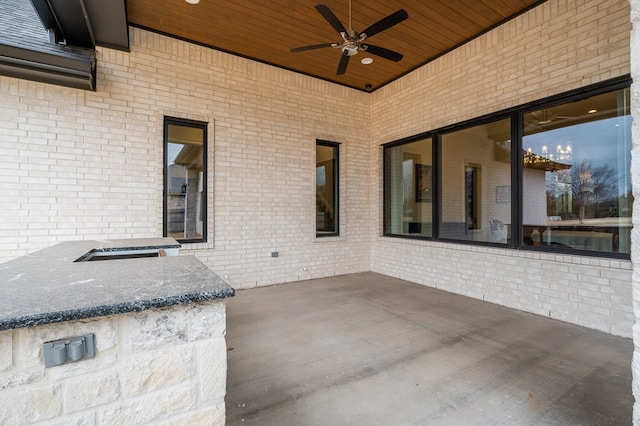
x=266 y=30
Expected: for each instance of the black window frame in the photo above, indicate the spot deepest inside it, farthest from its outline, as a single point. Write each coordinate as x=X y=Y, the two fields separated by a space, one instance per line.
x=336 y=187
x=167 y=121
x=516 y=114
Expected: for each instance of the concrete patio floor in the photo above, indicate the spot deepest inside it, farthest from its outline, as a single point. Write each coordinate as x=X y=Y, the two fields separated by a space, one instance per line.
x=367 y=349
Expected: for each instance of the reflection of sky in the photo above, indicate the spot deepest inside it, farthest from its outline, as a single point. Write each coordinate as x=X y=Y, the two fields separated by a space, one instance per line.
x=603 y=142
x=173 y=151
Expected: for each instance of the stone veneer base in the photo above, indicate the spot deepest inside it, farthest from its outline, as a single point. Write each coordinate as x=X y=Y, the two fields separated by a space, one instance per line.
x=165 y=366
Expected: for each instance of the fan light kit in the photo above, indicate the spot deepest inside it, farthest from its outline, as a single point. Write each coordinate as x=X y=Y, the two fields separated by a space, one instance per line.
x=367 y=61
x=353 y=43
x=192 y=1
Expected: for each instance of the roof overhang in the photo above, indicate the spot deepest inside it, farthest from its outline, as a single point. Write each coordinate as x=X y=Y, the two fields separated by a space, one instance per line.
x=86 y=23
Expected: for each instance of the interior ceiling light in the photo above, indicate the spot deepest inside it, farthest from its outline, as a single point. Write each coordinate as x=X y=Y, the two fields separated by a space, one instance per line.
x=592 y=111
x=367 y=61
x=192 y=1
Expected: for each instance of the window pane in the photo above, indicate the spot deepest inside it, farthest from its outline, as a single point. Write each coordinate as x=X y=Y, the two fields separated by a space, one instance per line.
x=326 y=189
x=476 y=183
x=185 y=171
x=408 y=192
x=577 y=187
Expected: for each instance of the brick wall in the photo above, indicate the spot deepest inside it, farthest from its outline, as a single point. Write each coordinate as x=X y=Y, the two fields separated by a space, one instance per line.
x=165 y=367
x=559 y=46
x=83 y=165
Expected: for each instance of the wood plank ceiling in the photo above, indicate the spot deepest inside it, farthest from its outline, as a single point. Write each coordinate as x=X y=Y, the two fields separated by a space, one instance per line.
x=266 y=30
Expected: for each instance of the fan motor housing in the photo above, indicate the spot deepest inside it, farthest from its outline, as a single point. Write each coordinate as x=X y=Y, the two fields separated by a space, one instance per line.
x=350 y=49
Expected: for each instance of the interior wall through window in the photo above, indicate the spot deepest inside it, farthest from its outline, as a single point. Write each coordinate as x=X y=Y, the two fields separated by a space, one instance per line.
x=408 y=177
x=476 y=183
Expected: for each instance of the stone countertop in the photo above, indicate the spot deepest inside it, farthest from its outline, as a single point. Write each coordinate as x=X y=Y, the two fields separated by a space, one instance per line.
x=48 y=286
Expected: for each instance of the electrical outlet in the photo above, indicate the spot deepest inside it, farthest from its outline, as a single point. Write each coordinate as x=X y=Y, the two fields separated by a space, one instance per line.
x=68 y=350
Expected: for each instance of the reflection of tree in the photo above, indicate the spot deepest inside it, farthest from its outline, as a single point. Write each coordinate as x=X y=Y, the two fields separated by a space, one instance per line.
x=581 y=189
x=592 y=185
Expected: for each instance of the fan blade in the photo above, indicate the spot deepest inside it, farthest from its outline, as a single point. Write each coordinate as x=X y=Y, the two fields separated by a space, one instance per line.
x=315 y=46
x=342 y=66
x=384 y=23
x=382 y=52
x=330 y=18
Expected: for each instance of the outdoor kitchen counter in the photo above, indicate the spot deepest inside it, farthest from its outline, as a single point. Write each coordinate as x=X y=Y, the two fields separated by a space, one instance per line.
x=91 y=332
x=49 y=286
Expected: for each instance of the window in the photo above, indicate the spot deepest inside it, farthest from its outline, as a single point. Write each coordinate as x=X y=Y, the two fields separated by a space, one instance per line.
x=567 y=159
x=408 y=181
x=185 y=183
x=327 y=181
x=576 y=174
x=476 y=177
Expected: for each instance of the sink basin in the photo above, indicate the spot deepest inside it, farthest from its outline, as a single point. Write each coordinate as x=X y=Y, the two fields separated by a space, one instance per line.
x=126 y=253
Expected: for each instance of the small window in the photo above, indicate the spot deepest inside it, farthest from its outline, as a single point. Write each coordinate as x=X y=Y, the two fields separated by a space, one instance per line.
x=327 y=182
x=185 y=183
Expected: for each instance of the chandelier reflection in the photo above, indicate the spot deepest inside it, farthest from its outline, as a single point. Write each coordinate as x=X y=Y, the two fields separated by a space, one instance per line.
x=563 y=154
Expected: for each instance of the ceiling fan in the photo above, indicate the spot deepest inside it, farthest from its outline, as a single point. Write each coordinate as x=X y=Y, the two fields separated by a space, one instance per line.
x=353 y=43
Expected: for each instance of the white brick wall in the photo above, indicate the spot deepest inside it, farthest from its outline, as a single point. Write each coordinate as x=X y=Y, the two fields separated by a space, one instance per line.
x=559 y=46
x=83 y=165
x=166 y=366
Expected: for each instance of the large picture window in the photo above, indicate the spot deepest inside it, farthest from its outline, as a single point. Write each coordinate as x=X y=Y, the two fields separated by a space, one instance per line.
x=185 y=183
x=327 y=180
x=554 y=175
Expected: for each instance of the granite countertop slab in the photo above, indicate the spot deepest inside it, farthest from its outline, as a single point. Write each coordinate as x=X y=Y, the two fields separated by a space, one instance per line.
x=49 y=286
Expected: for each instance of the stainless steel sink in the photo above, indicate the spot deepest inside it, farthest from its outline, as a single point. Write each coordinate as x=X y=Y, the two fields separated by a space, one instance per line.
x=126 y=253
